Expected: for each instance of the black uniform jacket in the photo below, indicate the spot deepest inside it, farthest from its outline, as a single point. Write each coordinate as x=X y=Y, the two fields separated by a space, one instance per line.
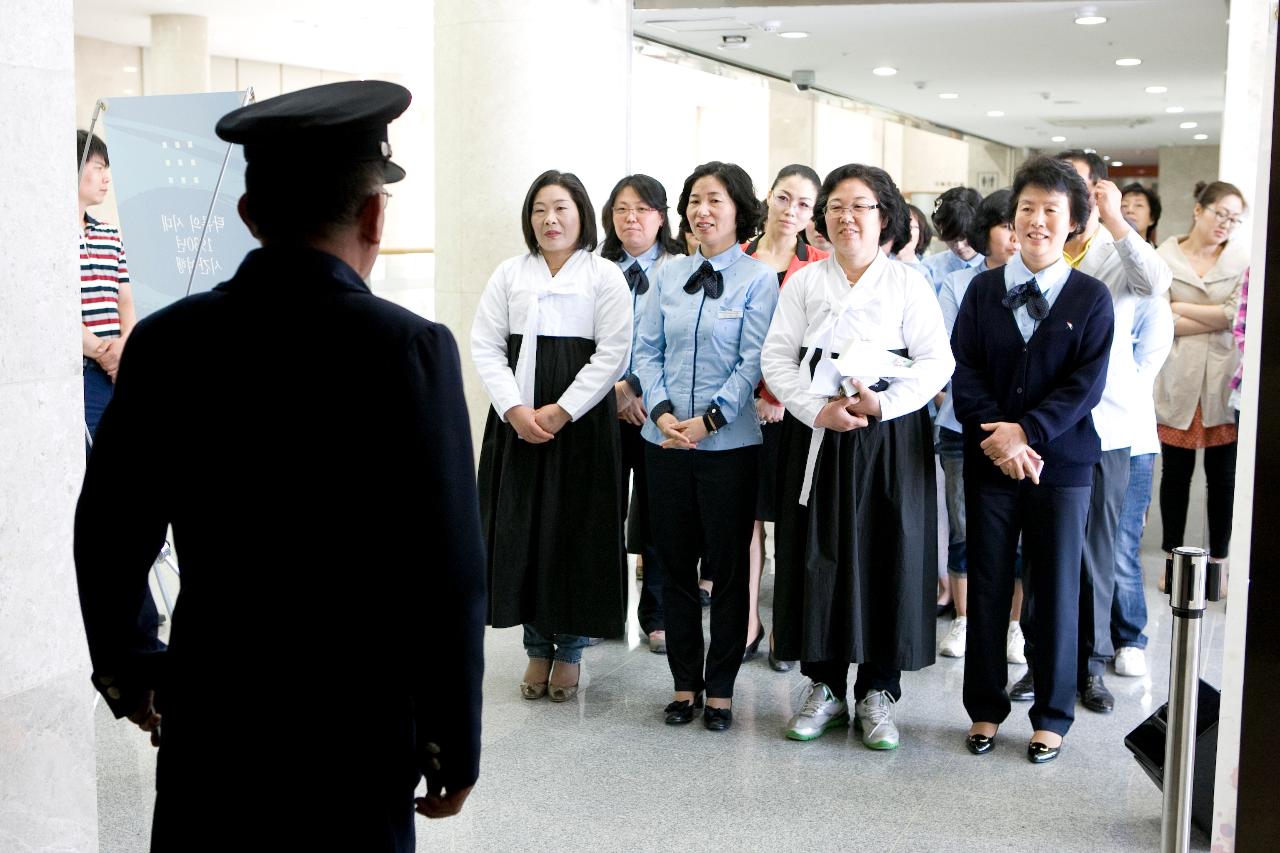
x=309 y=444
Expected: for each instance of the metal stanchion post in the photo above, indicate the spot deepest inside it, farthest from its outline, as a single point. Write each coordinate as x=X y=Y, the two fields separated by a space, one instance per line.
x=1187 y=578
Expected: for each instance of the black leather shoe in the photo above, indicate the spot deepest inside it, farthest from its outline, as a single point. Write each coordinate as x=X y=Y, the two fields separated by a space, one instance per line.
x=754 y=647
x=679 y=713
x=704 y=597
x=1096 y=697
x=980 y=744
x=1039 y=753
x=717 y=719
x=779 y=665
x=1024 y=689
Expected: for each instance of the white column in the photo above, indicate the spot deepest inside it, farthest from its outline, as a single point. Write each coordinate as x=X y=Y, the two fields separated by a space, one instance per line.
x=1254 y=179
x=520 y=88
x=178 y=59
x=48 y=794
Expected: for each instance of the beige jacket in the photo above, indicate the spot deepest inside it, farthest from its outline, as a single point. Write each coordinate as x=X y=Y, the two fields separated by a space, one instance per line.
x=1200 y=367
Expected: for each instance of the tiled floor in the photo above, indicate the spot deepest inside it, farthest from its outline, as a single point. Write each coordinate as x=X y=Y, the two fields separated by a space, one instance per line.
x=604 y=773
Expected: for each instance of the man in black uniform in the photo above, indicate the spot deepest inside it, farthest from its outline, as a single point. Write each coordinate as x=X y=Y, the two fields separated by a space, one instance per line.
x=310 y=445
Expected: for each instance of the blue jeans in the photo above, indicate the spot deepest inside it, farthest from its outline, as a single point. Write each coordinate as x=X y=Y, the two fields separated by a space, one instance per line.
x=565 y=648
x=97 y=393
x=1129 y=606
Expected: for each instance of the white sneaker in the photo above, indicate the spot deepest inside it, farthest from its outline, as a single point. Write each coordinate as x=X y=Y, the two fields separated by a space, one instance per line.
x=1131 y=661
x=1013 y=647
x=952 y=645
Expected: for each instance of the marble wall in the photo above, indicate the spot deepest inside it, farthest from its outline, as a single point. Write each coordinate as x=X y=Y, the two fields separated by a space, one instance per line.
x=47 y=793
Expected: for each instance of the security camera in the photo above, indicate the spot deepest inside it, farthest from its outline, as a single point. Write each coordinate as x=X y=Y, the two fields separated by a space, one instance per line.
x=803 y=80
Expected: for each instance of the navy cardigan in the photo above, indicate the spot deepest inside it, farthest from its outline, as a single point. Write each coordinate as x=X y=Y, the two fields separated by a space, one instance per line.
x=1047 y=385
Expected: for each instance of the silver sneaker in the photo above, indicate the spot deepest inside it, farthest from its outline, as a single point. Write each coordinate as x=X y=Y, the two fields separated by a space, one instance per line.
x=953 y=645
x=873 y=716
x=821 y=711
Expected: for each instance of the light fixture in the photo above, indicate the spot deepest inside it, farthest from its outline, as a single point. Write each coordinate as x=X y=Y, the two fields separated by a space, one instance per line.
x=130 y=69
x=1128 y=62
x=1090 y=20
x=1174 y=109
x=884 y=71
x=1117 y=163
x=995 y=113
x=1106 y=156
x=1057 y=139
x=733 y=42
x=793 y=34
x=1201 y=136
x=948 y=96
x=1188 y=125
x=1156 y=90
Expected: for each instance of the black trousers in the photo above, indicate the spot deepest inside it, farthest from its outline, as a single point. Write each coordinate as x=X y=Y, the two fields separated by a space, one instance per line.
x=702 y=504
x=649 y=610
x=1051 y=520
x=871 y=676
x=1097 y=570
x=1175 y=492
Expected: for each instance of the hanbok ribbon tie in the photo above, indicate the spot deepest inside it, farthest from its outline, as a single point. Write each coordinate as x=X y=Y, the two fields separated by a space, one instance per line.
x=823 y=337
x=559 y=285
x=706 y=279
x=637 y=281
x=1028 y=294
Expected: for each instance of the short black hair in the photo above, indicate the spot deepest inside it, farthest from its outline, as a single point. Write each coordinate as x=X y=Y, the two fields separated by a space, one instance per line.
x=1097 y=166
x=953 y=211
x=926 y=233
x=292 y=206
x=791 y=171
x=1056 y=176
x=737 y=183
x=1153 y=202
x=893 y=207
x=652 y=193
x=577 y=192
x=993 y=211
x=97 y=148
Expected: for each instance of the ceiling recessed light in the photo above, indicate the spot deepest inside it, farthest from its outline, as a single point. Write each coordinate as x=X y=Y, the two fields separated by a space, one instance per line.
x=995 y=113
x=130 y=69
x=793 y=34
x=1174 y=109
x=1106 y=156
x=1201 y=136
x=1188 y=125
x=948 y=96
x=733 y=42
x=1117 y=162
x=1156 y=90
x=1128 y=62
x=1057 y=139
x=1090 y=20
x=884 y=71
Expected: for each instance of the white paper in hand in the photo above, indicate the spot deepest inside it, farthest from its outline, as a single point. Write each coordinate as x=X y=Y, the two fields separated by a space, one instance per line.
x=868 y=362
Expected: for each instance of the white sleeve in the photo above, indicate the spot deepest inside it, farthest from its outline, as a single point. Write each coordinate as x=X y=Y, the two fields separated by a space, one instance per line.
x=613 y=341
x=489 y=333
x=928 y=345
x=780 y=355
x=1145 y=272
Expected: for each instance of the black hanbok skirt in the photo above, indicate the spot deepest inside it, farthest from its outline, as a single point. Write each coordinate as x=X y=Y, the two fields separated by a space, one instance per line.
x=857 y=568
x=552 y=513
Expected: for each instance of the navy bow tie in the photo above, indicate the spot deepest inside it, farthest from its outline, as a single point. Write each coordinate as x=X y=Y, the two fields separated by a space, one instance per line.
x=636 y=279
x=1028 y=294
x=707 y=279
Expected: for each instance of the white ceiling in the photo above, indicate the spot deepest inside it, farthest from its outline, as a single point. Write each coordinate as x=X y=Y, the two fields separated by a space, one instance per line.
x=1050 y=76
x=1028 y=59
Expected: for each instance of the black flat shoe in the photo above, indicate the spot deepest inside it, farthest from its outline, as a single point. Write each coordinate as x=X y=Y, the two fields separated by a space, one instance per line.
x=944 y=609
x=754 y=648
x=679 y=713
x=1024 y=689
x=717 y=719
x=1039 y=753
x=980 y=744
x=1096 y=697
x=704 y=597
x=779 y=665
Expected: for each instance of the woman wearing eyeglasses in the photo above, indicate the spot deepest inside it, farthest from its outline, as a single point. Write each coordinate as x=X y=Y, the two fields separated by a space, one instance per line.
x=1193 y=388
x=637 y=237
x=781 y=245
x=856 y=552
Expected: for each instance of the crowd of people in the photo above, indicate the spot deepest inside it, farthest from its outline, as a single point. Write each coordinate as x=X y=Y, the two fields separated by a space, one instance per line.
x=665 y=390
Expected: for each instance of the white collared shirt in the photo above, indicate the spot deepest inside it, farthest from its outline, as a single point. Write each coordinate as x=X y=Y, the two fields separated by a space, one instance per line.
x=1050 y=280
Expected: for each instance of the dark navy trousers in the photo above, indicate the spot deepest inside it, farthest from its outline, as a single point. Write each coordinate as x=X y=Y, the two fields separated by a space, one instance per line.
x=1051 y=521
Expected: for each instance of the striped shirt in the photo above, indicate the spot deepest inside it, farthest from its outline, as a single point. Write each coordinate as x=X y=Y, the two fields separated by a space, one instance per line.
x=102 y=270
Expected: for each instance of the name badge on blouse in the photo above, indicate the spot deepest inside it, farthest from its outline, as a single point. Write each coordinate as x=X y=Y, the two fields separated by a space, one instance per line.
x=729 y=314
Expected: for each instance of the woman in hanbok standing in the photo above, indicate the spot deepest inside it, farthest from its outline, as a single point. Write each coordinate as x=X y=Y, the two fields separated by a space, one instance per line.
x=856 y=548
x=550 y=498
